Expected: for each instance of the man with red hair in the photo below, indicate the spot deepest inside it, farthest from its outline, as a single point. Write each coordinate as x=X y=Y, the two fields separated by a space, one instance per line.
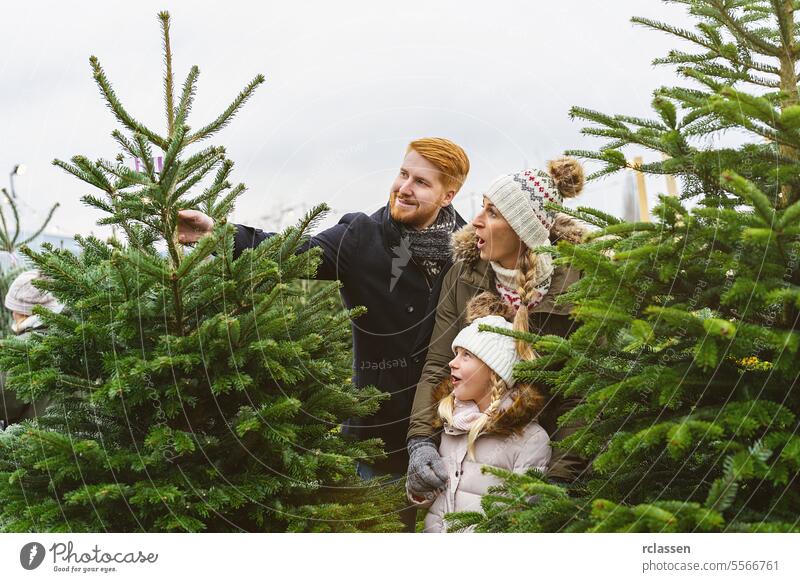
x=393 y=262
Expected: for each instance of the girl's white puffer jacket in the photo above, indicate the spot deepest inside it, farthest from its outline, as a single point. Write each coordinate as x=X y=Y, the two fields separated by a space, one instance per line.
x=528 y=446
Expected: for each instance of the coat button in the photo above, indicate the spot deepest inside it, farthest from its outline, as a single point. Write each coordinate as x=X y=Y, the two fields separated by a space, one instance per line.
x=416 y=359
x=410 y=308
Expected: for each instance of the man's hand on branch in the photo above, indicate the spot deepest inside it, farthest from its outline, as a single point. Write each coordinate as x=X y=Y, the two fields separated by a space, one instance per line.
x=193 y=225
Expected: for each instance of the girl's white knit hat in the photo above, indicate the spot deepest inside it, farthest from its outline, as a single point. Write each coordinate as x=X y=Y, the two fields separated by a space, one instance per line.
x=521 y=199
x=22 y=295
x=497 y=351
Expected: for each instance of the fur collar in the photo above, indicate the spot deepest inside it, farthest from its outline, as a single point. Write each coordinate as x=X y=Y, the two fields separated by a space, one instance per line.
x=564 y=228
x=525 y=407
x=480 y=275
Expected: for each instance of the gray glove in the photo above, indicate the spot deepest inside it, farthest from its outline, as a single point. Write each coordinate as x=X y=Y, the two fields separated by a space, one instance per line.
x=427 y=471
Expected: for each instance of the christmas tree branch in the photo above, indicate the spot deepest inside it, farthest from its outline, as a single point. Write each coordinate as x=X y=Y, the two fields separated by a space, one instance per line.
x=226 y=115
x=168 y=91
x=116 y=107
x=723 y=15
x=187 y=95
x=44 y=225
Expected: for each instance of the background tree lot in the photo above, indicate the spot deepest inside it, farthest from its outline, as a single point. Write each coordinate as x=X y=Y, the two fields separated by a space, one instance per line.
x=687 y=357
x=191 y=392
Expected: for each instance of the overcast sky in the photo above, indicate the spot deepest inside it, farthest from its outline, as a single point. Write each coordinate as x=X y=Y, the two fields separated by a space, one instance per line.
x=349 y=84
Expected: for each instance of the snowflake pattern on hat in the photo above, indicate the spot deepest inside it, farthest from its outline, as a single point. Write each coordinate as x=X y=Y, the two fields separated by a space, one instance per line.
x=541 y=189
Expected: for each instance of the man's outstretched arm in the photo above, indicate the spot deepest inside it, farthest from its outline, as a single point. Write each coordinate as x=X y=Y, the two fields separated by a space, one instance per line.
x=339 y=243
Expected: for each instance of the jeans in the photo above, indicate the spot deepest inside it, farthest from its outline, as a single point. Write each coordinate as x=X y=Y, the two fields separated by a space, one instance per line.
x=408 y=515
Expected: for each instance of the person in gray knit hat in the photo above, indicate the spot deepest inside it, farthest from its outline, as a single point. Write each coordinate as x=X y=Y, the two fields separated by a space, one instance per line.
x=20 y=299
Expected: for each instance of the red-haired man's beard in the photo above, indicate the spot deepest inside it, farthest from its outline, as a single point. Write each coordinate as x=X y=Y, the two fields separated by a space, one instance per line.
x=411 y=212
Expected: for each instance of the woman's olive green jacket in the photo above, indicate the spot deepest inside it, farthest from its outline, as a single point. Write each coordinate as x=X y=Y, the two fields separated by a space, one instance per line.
x=468 y=277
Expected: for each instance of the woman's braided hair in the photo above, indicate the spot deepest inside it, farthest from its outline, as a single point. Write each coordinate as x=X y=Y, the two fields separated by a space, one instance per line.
x=526 y=286
x=567 y=175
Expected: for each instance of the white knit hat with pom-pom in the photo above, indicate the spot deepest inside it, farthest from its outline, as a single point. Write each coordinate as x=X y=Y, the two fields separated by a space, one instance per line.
x=497 y=351
x=521 y=198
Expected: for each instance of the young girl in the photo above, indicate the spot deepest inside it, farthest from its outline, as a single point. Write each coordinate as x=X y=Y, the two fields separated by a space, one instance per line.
x=488 y=419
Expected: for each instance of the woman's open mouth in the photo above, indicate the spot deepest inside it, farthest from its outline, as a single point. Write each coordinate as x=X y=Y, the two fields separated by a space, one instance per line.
x=480 y=243
x=455 y=380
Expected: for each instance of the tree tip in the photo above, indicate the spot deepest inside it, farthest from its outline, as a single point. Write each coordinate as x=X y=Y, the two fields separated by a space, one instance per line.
x=163 y=16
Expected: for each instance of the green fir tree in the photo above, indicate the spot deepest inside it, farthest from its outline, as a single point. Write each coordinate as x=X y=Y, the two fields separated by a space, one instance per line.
x=686 y=359
x=192 y=392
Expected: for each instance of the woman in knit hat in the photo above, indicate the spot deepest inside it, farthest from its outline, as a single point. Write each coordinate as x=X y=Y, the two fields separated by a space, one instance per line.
x=488 y=419
x=496 y=257
x=21 y=298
